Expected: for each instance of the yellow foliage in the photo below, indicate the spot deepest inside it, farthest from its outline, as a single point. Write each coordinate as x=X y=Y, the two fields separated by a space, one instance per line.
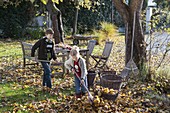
x=53 y=72
x=106 y=90
x=96 y=100
x=107 y=31
x=44 y=1
x=86 y=1
x=112 y=91
x=56 y=1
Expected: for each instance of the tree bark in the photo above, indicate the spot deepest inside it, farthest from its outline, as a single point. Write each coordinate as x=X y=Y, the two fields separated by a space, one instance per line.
x=55 y=15
x=127 y=12
x=75 y=20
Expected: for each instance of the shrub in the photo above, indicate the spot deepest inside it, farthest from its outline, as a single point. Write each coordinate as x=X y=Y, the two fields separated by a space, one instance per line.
x=33 y=33
x=106 y=32
x=15 y=18
x=162 y=78
x=163 y=72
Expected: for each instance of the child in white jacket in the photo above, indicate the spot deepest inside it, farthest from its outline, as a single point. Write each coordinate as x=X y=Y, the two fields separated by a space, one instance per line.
x=77 y=65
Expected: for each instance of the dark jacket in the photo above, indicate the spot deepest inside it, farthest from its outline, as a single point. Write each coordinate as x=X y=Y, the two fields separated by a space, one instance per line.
x=41 y=45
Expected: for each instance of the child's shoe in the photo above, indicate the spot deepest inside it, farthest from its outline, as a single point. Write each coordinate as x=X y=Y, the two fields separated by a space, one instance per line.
x=78 y=95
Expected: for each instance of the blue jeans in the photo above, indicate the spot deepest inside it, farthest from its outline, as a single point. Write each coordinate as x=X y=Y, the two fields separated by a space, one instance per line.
x=47 y=74
x=78 y=87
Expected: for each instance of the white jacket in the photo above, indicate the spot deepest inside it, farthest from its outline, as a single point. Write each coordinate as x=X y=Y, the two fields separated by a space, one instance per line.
x=81 y=61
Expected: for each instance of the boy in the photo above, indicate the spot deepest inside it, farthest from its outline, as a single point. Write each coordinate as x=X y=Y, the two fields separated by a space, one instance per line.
x=77 y=65
x=46 y=52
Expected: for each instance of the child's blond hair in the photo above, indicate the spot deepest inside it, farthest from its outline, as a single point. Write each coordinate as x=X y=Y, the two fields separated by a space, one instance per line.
x=75 y=51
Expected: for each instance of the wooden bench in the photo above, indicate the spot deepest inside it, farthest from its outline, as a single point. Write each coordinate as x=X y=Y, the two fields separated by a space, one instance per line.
x=26 y=49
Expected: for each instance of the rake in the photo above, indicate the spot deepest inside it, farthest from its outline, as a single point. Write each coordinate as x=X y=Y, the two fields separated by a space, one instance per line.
x=37 y=60
x=90 y=97
x=130 y=66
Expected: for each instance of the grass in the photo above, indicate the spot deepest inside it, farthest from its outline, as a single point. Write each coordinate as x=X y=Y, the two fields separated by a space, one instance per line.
x=14 y=94
x=10 y=48
x=14 y=90
x=164 y=72
x=17 y=94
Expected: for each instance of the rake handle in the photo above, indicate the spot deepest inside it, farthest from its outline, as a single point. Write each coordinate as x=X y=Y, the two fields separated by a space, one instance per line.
x=133 y=33
x=82 y=84
x=91 y=97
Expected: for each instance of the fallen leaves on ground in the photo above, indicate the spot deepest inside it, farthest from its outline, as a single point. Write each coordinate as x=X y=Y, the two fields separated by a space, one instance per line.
x=136 y=96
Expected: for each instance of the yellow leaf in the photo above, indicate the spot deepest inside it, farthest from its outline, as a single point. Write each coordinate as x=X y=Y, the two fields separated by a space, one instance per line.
x=26 y=86
x=64 y=96
x=15 y=104
x=168 y=95
x=86 y=1
x=56 y=1
x=88 y=7
x=123 y=95
x=129 y=92
x=143 y=88
x=148 y=87
x=30 y=105
x=53 y=72
x=32 y=1
x=44 y=1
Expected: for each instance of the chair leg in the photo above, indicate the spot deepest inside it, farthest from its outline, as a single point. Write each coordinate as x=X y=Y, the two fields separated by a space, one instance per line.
x=102 y=64
x=24 y=62
x=95 y=59
x=97 y=63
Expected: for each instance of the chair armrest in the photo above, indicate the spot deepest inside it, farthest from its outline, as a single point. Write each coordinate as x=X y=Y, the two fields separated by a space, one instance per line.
x=95 y=56
x=103 y=57
x=61 y=55
x=57 y=64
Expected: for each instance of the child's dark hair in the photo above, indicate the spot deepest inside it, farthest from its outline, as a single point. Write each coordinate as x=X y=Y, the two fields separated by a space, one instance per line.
x=49 y=31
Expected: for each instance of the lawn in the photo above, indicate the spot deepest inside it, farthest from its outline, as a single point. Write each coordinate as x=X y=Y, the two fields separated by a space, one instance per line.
x=21 y=88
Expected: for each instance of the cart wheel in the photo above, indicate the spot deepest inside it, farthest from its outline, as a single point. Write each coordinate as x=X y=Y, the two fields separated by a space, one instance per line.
x=75 y=42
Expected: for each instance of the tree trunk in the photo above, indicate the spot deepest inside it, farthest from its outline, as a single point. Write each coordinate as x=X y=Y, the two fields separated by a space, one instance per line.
x=75 y=22
x=55 y=28
x=127 y=12
x=55 y=15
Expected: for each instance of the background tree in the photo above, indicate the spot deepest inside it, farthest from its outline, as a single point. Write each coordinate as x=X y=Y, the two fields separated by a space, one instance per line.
x=85 y=20
x=75 y=18
x=57 y=25
x=127 y=10
x=15 y=17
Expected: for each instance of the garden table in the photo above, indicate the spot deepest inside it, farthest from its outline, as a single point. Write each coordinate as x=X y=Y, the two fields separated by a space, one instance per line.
x=65 y=52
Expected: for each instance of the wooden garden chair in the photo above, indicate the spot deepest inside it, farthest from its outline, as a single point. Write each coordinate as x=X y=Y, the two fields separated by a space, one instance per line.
x=101 y=60
x=26 y=50
x=90 y=48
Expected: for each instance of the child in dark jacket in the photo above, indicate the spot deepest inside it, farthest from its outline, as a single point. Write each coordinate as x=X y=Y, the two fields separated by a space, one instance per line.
x=46 y=52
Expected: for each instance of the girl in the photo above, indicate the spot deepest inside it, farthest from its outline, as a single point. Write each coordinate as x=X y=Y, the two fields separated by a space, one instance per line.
x=77 y=65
